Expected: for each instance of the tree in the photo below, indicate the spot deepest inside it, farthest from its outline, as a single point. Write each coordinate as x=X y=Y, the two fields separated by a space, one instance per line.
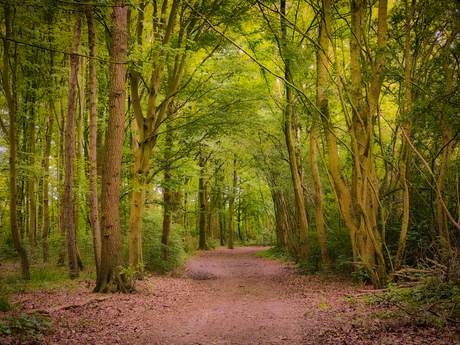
x=231 y=202
x=109 y=278
x=93 y=198
x=301 y=213
x=9 y=90
x=69 y=154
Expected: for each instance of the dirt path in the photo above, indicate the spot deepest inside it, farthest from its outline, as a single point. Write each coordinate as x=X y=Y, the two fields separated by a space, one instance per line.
x=224 y=297
x=238 y=299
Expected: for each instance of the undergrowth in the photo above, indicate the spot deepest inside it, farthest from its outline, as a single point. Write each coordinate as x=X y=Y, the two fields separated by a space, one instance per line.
x=153 y=249
x=24 y=326
x=274 y=253
x=429 y=293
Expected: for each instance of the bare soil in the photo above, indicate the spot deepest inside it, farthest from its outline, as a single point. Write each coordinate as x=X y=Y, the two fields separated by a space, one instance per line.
x=224 y=297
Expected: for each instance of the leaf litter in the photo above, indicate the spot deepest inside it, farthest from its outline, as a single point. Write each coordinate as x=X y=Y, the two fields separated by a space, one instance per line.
x=224 y=297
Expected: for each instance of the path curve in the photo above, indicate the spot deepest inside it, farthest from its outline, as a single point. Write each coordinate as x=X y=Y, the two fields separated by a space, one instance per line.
x=238 y=299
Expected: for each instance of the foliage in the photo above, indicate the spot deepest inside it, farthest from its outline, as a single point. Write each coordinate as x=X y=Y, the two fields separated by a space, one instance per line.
x=42 y=277
x=274 y=253
x=5 y=304
x=429 y=293
x=130 y=275
x=25 y=326
x=153 y=249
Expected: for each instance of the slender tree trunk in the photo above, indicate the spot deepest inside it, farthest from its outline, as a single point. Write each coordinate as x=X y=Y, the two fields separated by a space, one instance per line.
x=60 y=191
x=167 y=190
x=149 y=125
x=301 y=213
x=405 y=147
x=231 y=216
x=322 y=102
x=32 y=230
x=93 y=198
x=202 y=206
x=448 y=145
x=9 y=93
x=46 y=181
x=109 y=278
x=69 y=154
x=319 y=219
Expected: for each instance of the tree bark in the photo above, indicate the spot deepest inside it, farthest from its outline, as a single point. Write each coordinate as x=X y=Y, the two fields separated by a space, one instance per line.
x=202 y=205
x=46 y=181
x=32 y=230
x=69 y=155
x=167 y=189
x=404 y=165
x=150 y=124
x=10 y=95
x=109 y=279
x=93 y=198
x=231 y=216
x=301 y=213
x=322 y=102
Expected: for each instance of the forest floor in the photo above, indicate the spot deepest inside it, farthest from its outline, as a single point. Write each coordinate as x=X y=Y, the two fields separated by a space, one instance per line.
x=224 y=297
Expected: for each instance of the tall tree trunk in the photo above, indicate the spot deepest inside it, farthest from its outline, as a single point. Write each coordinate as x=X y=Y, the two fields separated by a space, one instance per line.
x=359 y=204
x=300 y=210
x=150 y=124
x=202 y=205
x=69 y=154
x=167 y=188
x=404 y=165
x=322 y=103
x=109 y=278
x=60 y=191
x=93 y=198
x=231 y=202
x=46 y=181
x=319 y=219
x=10 y=95
x=447 y=148
x=32 y=230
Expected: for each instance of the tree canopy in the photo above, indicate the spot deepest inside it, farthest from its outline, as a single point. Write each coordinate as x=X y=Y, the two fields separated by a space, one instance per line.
x=135 y=132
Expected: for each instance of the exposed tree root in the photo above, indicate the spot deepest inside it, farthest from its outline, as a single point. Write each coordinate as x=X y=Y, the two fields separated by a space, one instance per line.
x=67 y=306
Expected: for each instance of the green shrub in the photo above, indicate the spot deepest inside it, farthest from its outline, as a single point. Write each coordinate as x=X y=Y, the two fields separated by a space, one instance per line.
x=7 y=251
x=5 y=304
x=429 y=293
x=25 y=326
x=153 y=249
x=275 y=253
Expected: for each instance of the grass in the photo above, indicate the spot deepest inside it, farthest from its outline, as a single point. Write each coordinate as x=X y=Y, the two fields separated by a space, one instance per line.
x=42 y=277
x=274 y=253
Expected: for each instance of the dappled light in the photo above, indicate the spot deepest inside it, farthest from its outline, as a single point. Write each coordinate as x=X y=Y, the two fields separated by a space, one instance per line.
x=235 y=172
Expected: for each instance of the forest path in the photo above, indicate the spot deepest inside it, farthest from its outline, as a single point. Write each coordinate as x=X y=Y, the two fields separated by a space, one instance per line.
x=238 y=299
x=224 y=297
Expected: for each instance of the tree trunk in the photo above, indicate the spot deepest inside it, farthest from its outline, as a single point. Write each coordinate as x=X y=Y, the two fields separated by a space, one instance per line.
x=60 y=192
x=109 y=279
x=93 y=198
x=69 y=155
x=10 y=95
x=231 y=216
x=447 y=150
x=404 y=165
x=167 y=189
x=322 y=103
x=32 y=230
x=319 y=219
x=202 y=206
x=150 y=124
x=46 y=181
x=301 y=213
